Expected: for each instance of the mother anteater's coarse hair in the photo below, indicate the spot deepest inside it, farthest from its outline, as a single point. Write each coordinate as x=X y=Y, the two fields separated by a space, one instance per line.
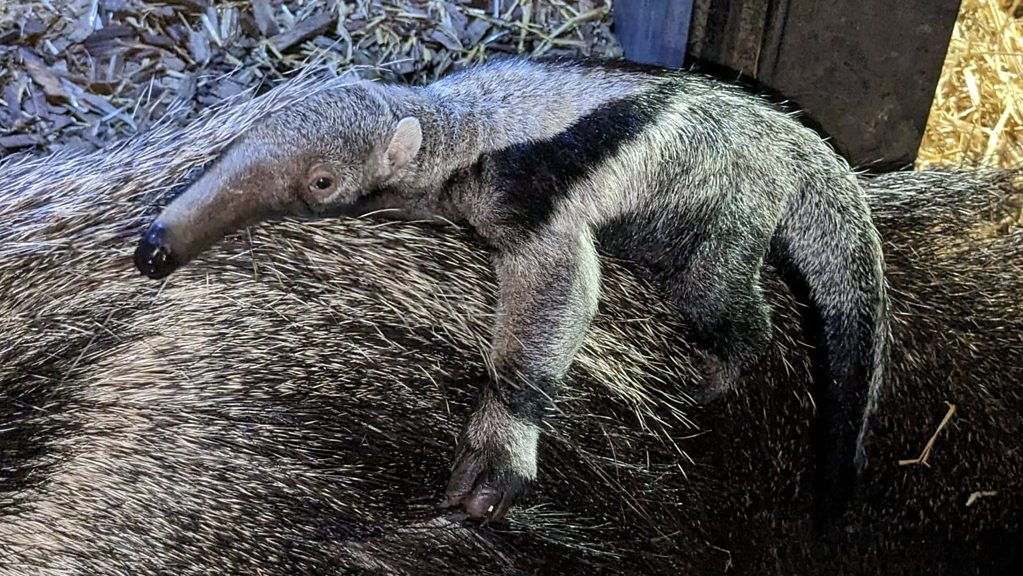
x=288 y=406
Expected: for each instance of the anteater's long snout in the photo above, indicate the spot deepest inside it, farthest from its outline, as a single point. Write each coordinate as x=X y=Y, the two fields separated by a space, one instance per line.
x=240 y=190
x=154 y=256
x=198 y=219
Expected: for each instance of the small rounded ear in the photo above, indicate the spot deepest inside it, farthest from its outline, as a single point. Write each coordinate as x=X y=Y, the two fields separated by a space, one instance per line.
x=403 y=147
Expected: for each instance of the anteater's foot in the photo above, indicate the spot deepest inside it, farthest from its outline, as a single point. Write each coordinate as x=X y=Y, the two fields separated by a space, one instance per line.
x=494 y=465
x=483 y=488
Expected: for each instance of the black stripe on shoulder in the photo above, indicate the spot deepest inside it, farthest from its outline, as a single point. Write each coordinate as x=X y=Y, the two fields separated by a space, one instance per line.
x=531 y=178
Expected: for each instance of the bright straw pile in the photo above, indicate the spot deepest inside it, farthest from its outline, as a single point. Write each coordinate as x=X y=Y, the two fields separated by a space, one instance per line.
x=977 y=115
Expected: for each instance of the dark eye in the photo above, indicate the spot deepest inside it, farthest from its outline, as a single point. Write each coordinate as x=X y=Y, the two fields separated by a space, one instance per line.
x=323 y=183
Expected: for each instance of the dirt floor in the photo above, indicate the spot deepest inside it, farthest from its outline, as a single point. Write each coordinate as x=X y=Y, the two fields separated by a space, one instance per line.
x=82 y=73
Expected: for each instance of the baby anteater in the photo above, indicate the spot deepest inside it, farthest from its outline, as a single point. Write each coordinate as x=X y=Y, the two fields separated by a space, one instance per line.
x=696 y=180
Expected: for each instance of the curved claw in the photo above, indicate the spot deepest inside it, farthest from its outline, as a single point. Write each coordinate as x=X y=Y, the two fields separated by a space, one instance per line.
x=483 y=488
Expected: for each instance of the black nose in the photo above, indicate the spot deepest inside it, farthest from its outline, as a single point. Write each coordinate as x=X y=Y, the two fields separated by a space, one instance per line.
x=154 y=257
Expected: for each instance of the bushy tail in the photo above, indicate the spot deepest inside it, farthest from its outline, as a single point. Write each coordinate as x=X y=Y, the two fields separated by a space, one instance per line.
x=829 y=249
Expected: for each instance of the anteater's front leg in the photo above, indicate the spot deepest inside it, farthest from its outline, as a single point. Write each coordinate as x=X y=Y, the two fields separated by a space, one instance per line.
x=549 y=289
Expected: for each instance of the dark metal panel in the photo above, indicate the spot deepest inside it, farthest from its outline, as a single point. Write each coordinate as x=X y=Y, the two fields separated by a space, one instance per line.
x=864 y=70
x=653 y=31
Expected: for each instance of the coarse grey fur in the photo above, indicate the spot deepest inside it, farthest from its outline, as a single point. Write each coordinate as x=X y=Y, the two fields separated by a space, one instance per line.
x=699 y=181
x=190 y=428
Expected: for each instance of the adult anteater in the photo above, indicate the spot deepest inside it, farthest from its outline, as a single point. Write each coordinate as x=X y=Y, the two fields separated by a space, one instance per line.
x=289 y=408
